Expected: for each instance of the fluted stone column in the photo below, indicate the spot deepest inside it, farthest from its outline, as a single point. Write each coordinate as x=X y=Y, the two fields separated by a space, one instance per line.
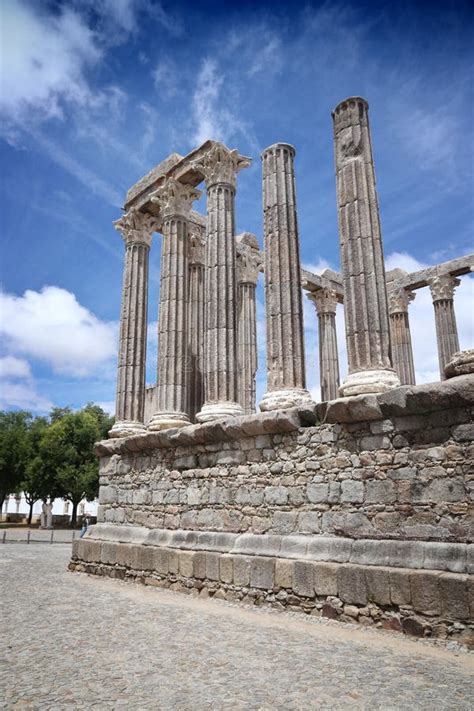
x=363 y=271
x=325 y=301
x=174 y=200
x=402 y=351
x=442 y=292
x=197 y=244
x=286 y=379
x=219 y=167
x=136 y=229
x=249 y=264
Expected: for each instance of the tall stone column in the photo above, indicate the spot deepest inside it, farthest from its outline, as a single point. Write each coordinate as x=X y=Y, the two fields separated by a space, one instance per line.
x=249 y=264
x=442 y=292
x=174 y=200
x=362 y=260
x=325 y=301
x=219 y=167
x=286 y=379
x=197 y=244
x=402 y=351
x=136 y=229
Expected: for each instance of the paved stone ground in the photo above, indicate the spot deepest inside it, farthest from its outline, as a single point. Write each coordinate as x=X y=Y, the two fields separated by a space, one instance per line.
x=71 y=641
x=37 y=535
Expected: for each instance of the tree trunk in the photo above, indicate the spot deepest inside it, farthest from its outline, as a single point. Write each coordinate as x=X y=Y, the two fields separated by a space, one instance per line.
x=30 y=514
x=74 y=513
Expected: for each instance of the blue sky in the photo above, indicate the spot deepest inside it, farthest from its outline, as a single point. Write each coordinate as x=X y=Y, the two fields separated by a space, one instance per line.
x=94 y=93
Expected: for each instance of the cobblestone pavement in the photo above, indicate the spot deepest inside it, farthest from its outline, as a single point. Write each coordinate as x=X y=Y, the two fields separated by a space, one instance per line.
x=72 y=641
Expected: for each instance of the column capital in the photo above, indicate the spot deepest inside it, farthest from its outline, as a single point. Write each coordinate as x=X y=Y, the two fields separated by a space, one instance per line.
x=398 y=300
x=442 y=287
x=249 y=258
x=175 y=198
x=136 y=227
x=325 y=300
x=196 y=245
x=220 y=165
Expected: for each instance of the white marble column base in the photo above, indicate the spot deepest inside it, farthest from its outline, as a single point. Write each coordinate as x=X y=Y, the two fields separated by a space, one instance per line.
x=218 y=411
x=369 y=381
x=461 y=363
x=127 y=428
x=284 y=399
x=168 y=420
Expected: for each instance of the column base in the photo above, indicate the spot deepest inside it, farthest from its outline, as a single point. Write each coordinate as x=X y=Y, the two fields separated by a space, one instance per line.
x=284 y=399
x=218 y=411
x=127 y=428
x=461 y=363
x=168 y=420
x=364 y=382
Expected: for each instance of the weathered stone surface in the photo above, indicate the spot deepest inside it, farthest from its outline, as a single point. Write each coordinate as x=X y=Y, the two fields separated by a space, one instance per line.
x=425 y=592
x=453 y=594
x=325 y=301
x=351 y=584
x=378 y=585
x=262 y=573
x=284 y=573
x=325 y=578
x=303 y=579
x=442 y=288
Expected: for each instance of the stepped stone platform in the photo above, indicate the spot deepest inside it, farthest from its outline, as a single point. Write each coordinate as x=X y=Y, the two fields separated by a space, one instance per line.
x=359 y=508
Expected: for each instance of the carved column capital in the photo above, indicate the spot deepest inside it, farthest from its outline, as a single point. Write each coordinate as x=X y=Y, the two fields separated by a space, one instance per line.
x=174 y=198
x=442 y=287
x=325 y=300
x=220 y=165
x=398 y=300
x=137 y=227
x=249 y=258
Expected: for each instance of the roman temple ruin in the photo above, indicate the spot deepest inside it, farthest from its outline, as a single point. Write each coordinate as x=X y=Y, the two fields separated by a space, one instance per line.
x=358 y=507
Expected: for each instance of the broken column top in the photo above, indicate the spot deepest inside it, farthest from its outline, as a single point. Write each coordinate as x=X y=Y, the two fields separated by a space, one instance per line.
x=340 y=113
x=274 y=146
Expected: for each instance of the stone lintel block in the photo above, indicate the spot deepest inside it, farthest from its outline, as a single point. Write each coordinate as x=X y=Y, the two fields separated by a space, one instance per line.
x=226 y=568
x=303 y=578
x=212 y=566
x=186 y=563
x=199 y=566
x=325 y=578
x=262 y=573
x=351 y=584
x=257 y=545
x=293 y=547
x=453 y=593
x=377 y=581
x=445 y=556
x=335 y=550
x=425 y=592
x=89 y=550
x=428 y=397
x=108 y=553
x=241 y=565
x=400 y=589
x=360 y=408
x=284 y=573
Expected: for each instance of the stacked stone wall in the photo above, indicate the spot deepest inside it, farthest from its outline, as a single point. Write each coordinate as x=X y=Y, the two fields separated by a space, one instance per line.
x=358 y=509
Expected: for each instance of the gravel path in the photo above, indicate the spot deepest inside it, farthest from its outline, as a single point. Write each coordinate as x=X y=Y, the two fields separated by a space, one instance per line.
x=71 y=641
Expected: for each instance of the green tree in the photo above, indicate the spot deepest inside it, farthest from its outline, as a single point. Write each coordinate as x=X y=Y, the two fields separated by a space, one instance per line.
x=38 y=481
x=14 y=451
x=67 y=447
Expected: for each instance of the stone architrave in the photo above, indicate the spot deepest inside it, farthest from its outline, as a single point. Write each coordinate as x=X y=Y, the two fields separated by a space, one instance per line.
x=402 y=351
x=219 y=167
x=249 y=264
x=136 y=229
x=362 y=260
x=174 y=200
x=286 y=379
x=197 y=243
x=442 y=292
x=325 y=301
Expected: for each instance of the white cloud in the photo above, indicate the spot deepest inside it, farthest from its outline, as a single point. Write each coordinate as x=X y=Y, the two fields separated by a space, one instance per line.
x=22 y=396
x=52 y=326
x=108 y=406
x=402 y=260
x=318 y=267
x=267 y=58
x=12 y=367
x=165 y=77
x=43 y=60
